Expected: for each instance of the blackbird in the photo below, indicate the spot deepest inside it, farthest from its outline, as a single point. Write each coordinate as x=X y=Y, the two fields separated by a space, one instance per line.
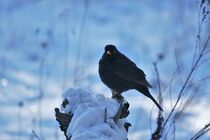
x=120 y=74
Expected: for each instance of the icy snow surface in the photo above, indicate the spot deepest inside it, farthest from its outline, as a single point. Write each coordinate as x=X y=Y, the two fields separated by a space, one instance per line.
x=89 y=115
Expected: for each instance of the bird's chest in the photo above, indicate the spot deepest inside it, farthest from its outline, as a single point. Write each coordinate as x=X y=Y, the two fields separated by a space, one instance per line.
x=109 y=77
x=105 y=70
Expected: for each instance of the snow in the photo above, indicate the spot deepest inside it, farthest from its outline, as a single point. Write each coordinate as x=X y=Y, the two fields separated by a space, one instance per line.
x=89 y=121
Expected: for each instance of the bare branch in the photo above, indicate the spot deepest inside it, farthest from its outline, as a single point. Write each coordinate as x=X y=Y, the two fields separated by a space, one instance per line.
x=201 y=132
x=187 y=81
x=158 y=133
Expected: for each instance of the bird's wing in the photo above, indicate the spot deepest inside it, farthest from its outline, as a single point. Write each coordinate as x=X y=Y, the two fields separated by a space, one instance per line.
x=125 y=59
x=129 y=72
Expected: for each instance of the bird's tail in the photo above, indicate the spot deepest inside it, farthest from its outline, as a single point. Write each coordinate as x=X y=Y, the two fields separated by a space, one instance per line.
x=146 y=92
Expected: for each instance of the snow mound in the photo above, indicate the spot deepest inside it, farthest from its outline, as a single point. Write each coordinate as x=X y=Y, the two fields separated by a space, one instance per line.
x=92 y=117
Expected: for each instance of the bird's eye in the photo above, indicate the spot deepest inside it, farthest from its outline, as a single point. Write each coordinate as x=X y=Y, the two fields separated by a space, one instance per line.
x=108 y=52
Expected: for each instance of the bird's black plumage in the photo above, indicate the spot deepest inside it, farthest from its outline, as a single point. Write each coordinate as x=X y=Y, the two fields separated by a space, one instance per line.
x=120 y=74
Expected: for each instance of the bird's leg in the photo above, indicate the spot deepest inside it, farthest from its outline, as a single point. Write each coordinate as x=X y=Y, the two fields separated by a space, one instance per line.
x=119 y=111
x=122 y=111
x=119 y=98
x=116 y=95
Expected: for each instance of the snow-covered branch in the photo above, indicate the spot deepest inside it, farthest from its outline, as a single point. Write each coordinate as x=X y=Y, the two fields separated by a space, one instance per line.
x=84 y=116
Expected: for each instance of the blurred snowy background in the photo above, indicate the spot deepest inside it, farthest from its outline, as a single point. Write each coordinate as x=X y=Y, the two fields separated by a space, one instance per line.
x=47 y=46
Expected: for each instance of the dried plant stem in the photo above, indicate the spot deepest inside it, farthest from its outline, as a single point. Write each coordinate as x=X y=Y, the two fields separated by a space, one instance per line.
x=19 y=122
x=201 y=132
x=41 y=94
x=35 y=135
x=79 y=46
x=194 y=67
x=158 y=133
x=105 y=115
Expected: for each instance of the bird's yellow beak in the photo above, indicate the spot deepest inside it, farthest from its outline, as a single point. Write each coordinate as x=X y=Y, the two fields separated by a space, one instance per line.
x=109 y=53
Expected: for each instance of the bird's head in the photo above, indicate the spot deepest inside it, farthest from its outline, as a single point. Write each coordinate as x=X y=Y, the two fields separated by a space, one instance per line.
x=110 y=50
